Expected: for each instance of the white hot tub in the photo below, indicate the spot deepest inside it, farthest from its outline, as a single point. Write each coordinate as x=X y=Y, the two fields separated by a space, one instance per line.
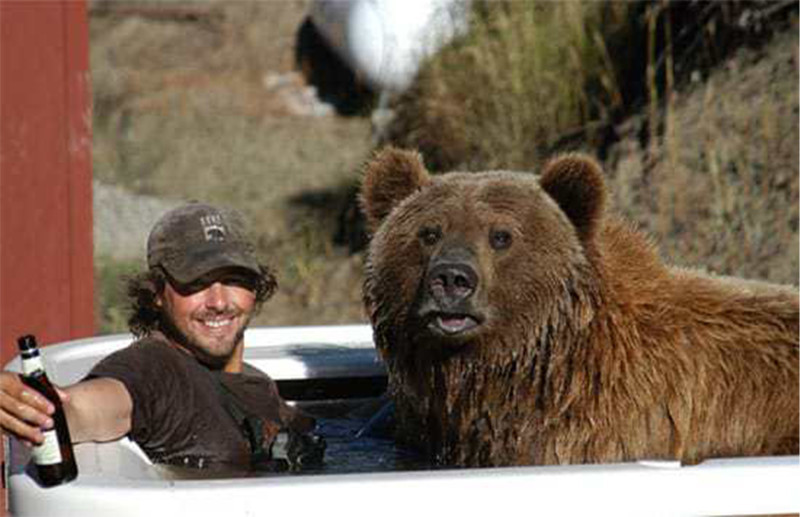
x=116 y=479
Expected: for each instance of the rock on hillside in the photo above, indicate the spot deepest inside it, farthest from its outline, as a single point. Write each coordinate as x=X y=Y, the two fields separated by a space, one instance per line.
x=122 y=221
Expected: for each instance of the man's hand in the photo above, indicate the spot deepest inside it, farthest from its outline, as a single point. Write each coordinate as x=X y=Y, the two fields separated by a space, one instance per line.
x=96 y=410
x=24 y=413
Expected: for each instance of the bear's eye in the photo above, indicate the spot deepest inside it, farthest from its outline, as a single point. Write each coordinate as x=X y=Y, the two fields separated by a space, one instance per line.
x=500 y=239
x=430 y=235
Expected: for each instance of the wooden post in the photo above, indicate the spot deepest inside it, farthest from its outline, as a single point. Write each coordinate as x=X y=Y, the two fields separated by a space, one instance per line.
x=46 y=254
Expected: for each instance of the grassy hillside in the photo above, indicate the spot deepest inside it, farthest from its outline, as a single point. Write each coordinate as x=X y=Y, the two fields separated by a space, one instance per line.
x=205 y=101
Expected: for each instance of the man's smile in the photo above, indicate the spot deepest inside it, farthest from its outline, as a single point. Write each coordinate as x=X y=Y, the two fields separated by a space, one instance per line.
x=217 y=323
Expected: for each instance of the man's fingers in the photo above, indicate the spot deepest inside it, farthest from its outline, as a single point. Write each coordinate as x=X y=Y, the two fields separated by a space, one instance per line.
x=36 y=400
x=21 y=409
x=24 y=402
x=20 y=429
x=13 y=389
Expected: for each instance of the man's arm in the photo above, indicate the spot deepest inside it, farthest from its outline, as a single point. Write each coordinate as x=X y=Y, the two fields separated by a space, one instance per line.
x=96 y=410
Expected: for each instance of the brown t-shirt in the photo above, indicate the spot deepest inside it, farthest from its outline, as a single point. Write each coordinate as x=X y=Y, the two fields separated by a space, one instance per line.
x=179 y=410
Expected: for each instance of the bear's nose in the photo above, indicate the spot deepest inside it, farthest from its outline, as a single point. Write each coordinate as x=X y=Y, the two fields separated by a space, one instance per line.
x=450 y=283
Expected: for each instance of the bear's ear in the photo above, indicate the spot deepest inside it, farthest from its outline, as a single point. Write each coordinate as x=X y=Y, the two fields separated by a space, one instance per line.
x=391 y=176
x=576 y=183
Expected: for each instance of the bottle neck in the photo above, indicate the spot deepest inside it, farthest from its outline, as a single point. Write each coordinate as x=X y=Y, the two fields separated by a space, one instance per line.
x=32 y=363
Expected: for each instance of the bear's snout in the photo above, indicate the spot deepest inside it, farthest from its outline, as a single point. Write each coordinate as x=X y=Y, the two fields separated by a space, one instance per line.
x=448 y=307
x=451 y=283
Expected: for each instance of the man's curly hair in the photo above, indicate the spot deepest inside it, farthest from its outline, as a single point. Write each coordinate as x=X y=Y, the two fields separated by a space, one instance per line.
x=144 y=289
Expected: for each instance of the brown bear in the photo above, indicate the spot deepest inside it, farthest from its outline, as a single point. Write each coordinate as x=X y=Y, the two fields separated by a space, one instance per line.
x=520 y=324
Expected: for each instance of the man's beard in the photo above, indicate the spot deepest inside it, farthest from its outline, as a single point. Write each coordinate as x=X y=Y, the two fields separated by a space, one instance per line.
x=213 y=362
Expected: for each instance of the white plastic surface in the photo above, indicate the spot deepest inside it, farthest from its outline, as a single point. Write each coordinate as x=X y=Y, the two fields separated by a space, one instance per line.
x=385 y=41
x=116 y=479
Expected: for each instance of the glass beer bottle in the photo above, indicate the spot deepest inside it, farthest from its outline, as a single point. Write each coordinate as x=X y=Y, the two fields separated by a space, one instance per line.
x=54 y=458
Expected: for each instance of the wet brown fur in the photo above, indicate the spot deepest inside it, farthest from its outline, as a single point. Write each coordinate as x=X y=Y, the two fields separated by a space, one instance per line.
x=592 y=350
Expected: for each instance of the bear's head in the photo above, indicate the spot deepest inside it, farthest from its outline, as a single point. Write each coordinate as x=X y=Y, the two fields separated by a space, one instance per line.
x=461 y=259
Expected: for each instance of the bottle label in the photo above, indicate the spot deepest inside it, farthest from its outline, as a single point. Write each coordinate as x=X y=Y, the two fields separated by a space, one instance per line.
x=32 y=365
x=49 y=452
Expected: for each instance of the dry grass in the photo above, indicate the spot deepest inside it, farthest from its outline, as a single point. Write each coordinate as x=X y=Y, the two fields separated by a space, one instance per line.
x=182 y=112
x=708 y=167
x=527 y=75
x=718 y=184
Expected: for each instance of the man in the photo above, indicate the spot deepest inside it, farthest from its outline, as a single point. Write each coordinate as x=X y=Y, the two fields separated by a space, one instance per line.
x=182 y=390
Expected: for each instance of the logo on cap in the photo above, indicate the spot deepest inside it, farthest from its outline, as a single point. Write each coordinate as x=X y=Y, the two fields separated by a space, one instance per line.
x=213 y=228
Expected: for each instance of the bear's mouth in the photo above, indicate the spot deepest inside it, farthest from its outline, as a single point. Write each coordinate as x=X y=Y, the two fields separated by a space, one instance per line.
x=450 y=324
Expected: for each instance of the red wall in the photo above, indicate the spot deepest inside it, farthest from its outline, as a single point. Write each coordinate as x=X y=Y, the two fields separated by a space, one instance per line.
x=46 y=256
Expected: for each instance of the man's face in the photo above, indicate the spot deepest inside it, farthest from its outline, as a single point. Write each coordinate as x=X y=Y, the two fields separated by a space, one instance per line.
x=210 y=314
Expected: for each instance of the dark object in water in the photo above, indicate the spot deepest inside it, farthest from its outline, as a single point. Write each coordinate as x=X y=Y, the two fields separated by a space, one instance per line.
x=305 y=450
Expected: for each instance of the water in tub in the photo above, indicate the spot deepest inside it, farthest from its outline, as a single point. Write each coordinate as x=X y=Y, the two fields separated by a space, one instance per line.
x=358 y=434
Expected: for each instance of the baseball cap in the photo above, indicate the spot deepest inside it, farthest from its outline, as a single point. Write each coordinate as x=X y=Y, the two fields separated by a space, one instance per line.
x=195 y=239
